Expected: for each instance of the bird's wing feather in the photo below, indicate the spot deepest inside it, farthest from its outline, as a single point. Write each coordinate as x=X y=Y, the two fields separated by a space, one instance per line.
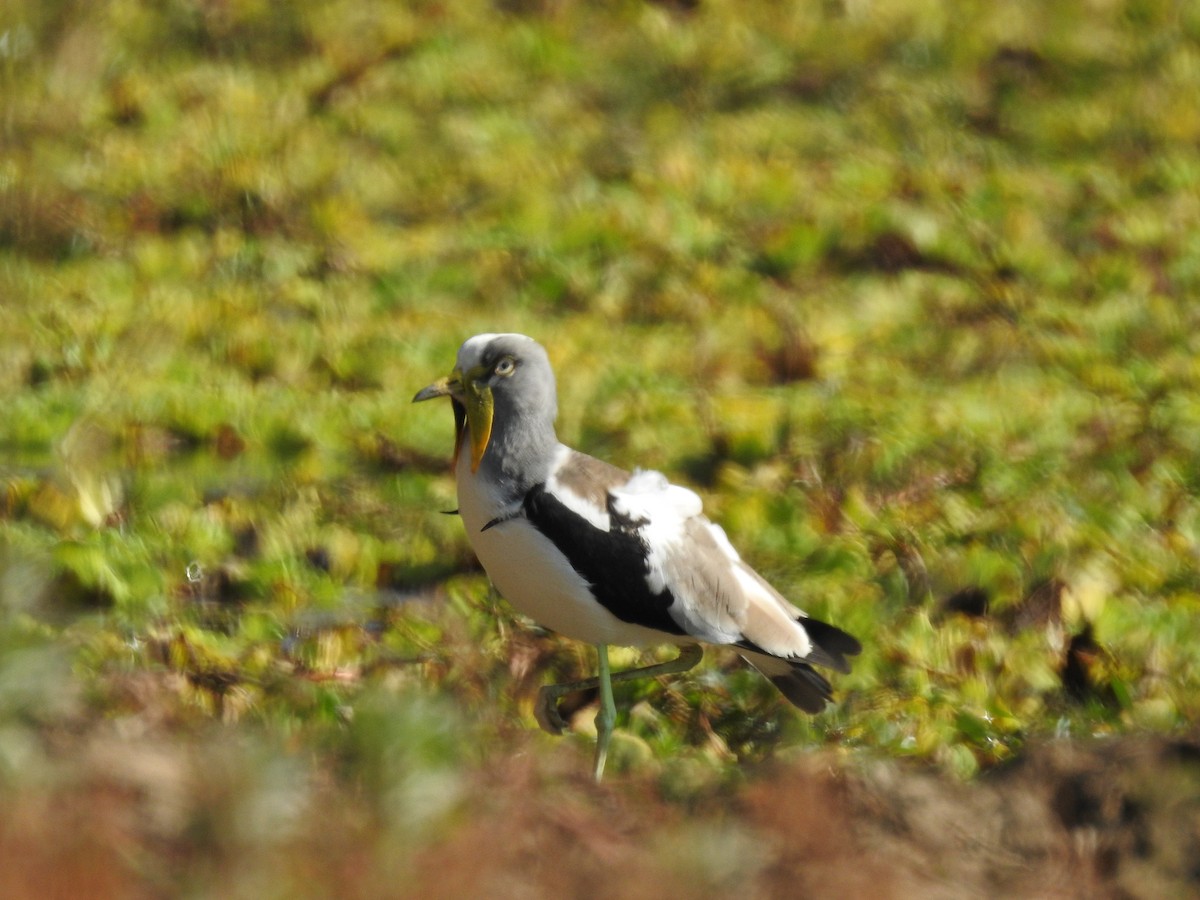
x=653 y=559
x=718 y=597
x=803 y=685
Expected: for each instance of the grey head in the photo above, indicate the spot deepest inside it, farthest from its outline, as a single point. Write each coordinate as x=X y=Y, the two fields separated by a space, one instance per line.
x=517 y=371
x=506 y=401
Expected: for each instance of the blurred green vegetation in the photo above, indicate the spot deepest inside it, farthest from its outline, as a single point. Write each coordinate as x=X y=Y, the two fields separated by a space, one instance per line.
x=907 y=291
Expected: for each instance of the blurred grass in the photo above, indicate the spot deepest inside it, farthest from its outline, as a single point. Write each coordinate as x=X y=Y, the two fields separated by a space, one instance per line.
x=909 y=296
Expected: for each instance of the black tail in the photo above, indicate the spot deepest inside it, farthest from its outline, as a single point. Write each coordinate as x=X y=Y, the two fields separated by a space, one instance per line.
x=833 y=644
x=805 y=687
x=796 y=679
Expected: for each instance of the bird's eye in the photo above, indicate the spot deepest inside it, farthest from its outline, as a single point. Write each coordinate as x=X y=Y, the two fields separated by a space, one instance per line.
x=506 y=366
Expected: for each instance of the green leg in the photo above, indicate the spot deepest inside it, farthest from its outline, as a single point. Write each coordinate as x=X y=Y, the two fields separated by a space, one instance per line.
x=607 y=715
x=546 y=708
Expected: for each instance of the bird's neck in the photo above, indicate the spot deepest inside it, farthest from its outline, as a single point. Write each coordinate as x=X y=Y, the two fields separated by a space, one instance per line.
x=516 y=462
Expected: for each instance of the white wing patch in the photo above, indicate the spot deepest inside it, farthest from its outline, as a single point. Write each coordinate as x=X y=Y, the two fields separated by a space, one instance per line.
x=718 y=598
x=659 y=511
x=648 y=495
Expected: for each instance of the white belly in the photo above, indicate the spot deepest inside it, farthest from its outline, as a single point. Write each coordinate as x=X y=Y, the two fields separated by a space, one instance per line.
x=531 y=574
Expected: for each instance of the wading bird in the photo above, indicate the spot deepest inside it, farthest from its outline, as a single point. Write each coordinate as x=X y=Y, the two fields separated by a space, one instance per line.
x=604 y=556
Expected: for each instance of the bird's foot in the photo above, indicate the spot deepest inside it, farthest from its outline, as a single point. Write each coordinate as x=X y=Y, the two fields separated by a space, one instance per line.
x=545 y=710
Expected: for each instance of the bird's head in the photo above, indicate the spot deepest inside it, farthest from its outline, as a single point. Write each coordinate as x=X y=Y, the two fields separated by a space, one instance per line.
x=500 y=382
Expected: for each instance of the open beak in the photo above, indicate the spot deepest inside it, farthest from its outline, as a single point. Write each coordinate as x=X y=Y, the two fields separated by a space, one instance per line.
x=473 y=407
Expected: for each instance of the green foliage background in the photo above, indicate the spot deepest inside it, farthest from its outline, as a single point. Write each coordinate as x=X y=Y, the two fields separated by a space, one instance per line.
x=906 y=290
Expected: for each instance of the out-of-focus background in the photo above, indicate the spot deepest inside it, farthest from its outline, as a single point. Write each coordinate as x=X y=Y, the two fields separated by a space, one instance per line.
x=906 y=290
